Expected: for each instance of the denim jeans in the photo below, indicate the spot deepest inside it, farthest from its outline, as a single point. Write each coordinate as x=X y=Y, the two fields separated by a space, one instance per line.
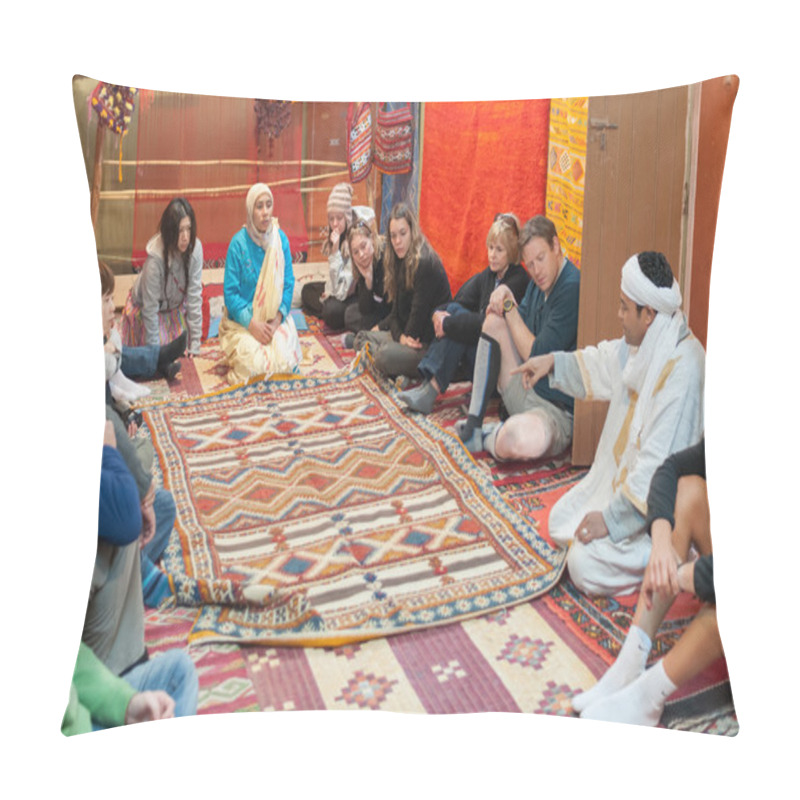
x=140 y=362
x=164 y=506
x=445 y=355
x=172 y=671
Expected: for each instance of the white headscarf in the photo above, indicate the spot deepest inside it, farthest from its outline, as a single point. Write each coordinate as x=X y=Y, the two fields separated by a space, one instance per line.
x=253 y=193
x=646 y=362
x=643 y=292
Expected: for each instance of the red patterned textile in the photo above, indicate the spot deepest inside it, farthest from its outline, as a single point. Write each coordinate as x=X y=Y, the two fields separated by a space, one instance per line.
x=359 y=141
x=394 y=140
x=478 y=159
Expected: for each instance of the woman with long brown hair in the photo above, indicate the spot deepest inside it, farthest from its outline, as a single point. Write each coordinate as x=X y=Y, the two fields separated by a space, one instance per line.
x=415 y=284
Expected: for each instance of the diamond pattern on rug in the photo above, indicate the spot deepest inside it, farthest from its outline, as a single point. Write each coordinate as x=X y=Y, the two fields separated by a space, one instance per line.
x=359 y=521
x=556 y=699
x=525 y=651
x=366 y=691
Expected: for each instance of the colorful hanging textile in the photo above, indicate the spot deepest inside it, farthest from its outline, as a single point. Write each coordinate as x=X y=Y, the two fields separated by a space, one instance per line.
x=566 y=171
x=114 y=106
x=394 y=139
x=359 y=141
x=272 y=116
x=479 y=159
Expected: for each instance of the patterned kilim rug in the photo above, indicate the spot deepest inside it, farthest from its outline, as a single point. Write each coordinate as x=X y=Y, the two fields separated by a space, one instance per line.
x=315 y=512
x=532 y=657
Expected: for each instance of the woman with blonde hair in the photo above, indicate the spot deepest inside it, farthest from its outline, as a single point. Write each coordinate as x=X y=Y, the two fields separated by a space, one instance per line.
x=415 y=284
x=257 y=334
x=458 y=325
x=367 y=249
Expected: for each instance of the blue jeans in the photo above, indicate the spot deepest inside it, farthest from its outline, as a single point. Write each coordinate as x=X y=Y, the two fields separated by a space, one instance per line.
x=164 y=506
x=173 y=672
x=445 y=355
x=140 y=362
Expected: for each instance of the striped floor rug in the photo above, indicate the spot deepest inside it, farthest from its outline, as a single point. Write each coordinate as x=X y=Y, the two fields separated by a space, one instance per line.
x=530 y=658
x=316 y=512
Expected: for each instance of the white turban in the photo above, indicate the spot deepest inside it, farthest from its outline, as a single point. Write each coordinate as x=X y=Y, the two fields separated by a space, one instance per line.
x=643 y=292
x=646 y=362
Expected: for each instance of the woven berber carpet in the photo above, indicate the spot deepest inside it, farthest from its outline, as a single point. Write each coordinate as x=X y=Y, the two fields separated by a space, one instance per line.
x=316 y=512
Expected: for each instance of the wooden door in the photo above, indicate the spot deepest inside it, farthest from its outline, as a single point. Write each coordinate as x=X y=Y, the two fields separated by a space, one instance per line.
x=635 y=199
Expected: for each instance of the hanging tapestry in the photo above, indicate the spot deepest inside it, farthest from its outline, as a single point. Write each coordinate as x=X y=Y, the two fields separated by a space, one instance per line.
x=394 y=139
x=359 y=141
x=566 y=171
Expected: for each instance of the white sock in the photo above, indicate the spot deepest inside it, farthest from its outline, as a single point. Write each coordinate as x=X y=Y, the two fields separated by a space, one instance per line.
x=130 y=390
x=639 y=703
x=627 y=668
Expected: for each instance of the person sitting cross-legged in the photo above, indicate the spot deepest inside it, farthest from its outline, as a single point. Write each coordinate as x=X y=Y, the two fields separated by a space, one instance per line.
x=114 y=624
x=678 y=518
x=457 y=325
x=99 y=699
x=653 y=379
x=547 y=319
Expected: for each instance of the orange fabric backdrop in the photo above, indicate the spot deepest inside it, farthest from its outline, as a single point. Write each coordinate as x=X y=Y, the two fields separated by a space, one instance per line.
x=478 y=159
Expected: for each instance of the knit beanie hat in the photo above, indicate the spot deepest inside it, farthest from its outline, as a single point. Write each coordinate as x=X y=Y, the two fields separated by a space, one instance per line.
x=341 y=199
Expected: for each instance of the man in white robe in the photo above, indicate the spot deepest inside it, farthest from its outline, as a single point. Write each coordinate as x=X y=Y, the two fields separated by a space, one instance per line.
x=653 y=378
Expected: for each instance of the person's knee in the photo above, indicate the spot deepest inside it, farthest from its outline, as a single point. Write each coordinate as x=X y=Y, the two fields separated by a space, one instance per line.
x=523 y=437
x=333 y=314
x=352 y=318
x=582 y=567
x=493 y=325
x=307 y=294
x=383 y=360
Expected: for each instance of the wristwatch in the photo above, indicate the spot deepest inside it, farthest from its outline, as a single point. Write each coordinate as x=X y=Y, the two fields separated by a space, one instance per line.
x=508 y=304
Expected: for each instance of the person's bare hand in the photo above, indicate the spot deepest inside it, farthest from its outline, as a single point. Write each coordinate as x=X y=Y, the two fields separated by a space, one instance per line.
x=534 y=369
x=274 y=324
x=661 y=573
x=591 y=527
x=410 y=341
x=260 y=332
x=147 y=706
x=497 y=298
x=438 y=322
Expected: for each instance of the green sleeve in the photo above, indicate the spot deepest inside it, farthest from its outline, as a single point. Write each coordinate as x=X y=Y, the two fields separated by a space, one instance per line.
x=100 y=692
